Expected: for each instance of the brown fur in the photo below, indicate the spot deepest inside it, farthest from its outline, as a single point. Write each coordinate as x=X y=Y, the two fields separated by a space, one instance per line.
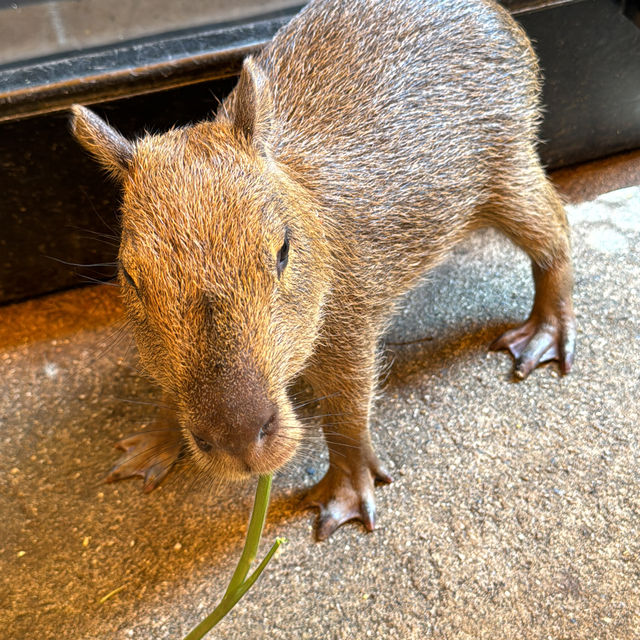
x=375 y=135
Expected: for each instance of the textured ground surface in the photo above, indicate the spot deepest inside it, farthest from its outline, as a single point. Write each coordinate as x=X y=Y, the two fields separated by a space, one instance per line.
x=515 y=511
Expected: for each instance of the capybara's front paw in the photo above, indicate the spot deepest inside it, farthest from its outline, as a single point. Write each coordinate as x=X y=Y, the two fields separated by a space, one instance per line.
x=540 y=340
x=149 y=454
x=345 y=494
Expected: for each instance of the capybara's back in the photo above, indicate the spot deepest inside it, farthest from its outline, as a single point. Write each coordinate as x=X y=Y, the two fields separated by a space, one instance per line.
x=356 y=149
x=413 y=117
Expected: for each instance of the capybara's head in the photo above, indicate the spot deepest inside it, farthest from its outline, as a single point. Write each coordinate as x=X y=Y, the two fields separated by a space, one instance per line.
x=222 y=270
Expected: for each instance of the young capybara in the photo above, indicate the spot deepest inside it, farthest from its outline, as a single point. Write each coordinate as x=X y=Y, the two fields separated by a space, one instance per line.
x=356 y=150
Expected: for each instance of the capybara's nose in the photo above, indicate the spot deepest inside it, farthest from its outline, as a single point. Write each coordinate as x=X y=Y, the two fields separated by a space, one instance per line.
x=238 y=432
x=203 y=445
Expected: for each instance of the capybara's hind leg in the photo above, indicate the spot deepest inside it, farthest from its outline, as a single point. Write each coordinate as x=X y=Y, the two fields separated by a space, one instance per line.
x=532 y=215
x=549 y=333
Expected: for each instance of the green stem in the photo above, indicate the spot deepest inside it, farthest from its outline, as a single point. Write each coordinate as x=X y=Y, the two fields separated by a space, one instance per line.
x=229 y=601
x=238 y=586
x=248 y=583
x=254 y=532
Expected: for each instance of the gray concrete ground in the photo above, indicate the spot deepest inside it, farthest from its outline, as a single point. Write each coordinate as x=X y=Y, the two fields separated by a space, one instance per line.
x=515 y=510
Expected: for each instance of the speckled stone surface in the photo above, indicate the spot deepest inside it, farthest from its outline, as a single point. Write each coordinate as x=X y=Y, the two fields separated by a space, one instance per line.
x=515 y=511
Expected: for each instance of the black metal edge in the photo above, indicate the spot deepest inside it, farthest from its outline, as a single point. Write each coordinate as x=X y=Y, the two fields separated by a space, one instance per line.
x=134 y=67
x=152 y=64
x=520 y=7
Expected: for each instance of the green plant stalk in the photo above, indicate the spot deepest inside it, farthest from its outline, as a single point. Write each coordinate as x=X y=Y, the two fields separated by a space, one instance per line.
x=239 y=583
x=254 y=533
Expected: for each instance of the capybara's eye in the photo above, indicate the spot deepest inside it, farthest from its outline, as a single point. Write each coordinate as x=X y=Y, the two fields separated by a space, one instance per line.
x=283 y=254
x=128 y=278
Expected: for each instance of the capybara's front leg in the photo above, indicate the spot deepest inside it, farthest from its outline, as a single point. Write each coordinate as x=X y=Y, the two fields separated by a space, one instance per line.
x=343 y=379
x=150 y=454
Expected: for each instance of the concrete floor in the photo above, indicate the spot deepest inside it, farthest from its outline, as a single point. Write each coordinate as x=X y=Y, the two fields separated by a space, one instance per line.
x=515 y=511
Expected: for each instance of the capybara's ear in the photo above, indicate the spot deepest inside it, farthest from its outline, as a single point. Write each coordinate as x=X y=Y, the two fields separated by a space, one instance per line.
x=253 y=115
x=113 y=151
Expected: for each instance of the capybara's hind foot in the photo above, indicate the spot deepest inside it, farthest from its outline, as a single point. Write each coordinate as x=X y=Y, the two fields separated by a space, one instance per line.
x=149 y=454
x=344 y=495
x=538 y=341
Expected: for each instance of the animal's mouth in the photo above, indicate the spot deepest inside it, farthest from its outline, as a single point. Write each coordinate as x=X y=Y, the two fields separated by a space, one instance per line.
x=226 y=459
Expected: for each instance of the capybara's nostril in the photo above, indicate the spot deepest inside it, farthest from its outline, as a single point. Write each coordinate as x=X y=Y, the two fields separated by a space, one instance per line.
x=269 y=427
x=203 y=445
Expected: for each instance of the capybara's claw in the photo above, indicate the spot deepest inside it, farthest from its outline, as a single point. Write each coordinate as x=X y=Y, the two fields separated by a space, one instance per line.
x=336 y=514
x=150 y=455
x=342 y=497
x=536 y=342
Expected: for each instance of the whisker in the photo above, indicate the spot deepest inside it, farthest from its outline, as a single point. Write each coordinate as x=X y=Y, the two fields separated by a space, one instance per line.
x=145 y=402
x=128 y=349
x=309 y=448
x=115 y=338
x=198 y=479
x=322 y=415
x=97 y=236
x=108 y=283
x=109 y=243
x=308 y=402
x=96 y=212
x=311 y=456
x=342 y=445
x=327 y=431
x=93 y=232
x=330 y=432
x=143 y=431
x=80 y=264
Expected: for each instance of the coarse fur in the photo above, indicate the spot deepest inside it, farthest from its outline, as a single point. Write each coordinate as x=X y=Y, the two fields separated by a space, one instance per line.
x=364 y=142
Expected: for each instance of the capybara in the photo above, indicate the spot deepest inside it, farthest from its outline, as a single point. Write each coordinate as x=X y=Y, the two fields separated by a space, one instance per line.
x=275 y=239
